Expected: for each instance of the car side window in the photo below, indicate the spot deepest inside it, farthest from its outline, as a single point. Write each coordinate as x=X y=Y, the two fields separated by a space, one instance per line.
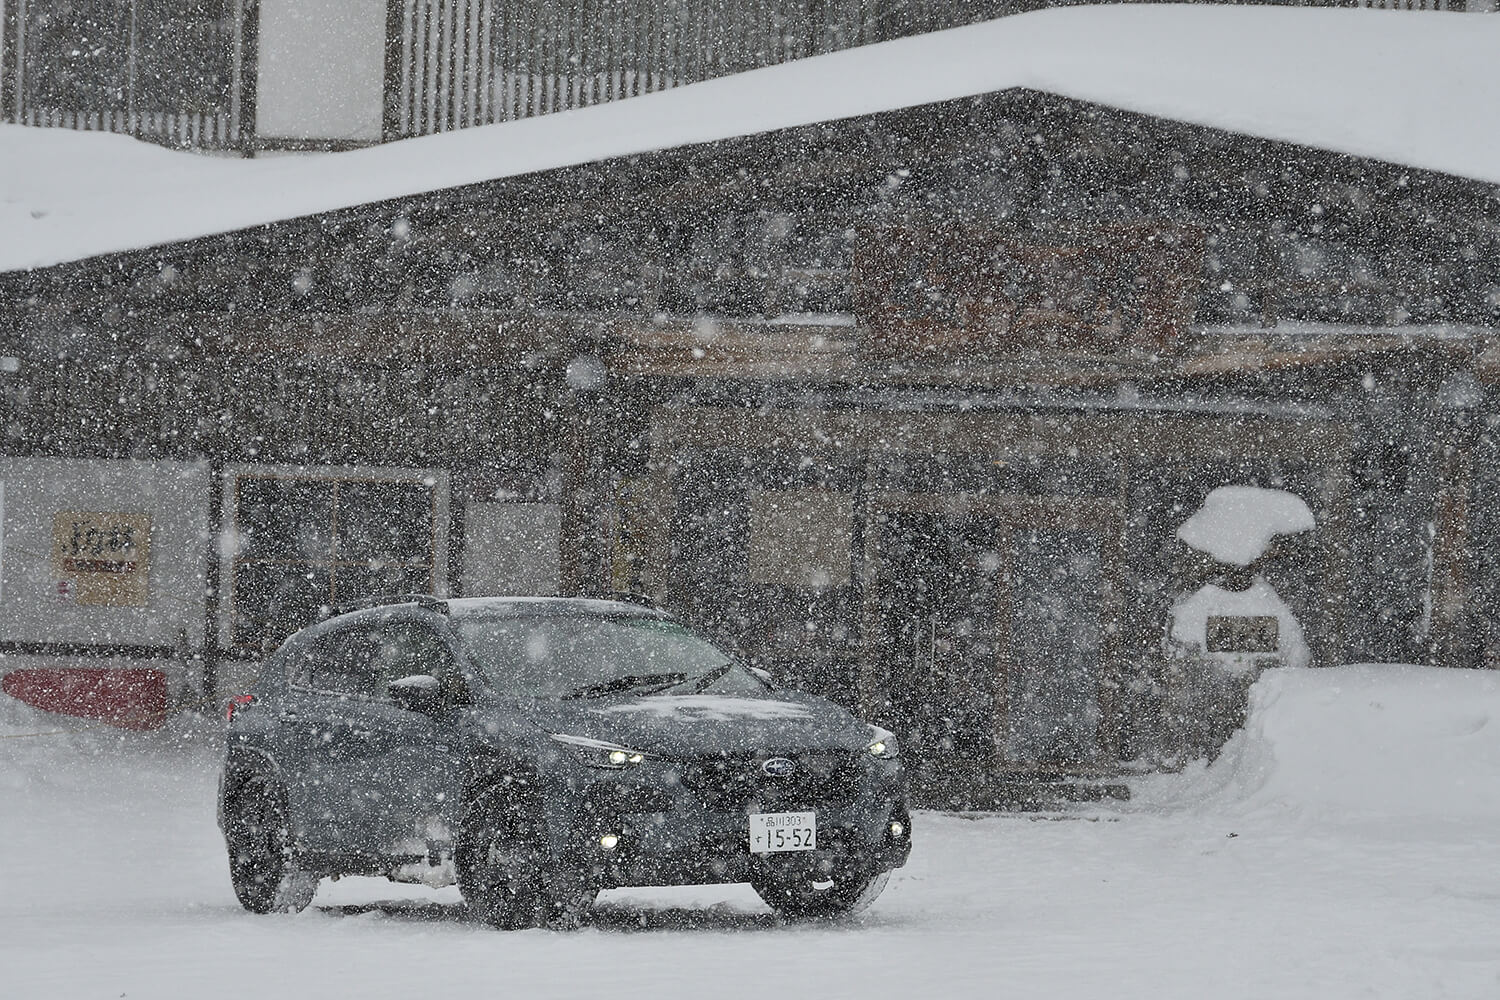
x=343 y=662
x=297 y=663
x=402 y=649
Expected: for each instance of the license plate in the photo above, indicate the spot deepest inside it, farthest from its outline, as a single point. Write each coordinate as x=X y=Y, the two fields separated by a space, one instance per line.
x=771 y=832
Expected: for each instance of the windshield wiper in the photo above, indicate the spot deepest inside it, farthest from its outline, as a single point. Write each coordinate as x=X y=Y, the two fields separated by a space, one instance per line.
x=702 y=681
x=628 y=682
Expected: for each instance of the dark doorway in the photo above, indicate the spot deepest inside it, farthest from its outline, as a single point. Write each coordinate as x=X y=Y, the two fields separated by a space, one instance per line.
x=937 y=591
x=1054 y=622
x=993 y=621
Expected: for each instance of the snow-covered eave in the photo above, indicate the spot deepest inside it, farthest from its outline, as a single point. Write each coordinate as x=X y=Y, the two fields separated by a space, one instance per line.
x=1412 y=88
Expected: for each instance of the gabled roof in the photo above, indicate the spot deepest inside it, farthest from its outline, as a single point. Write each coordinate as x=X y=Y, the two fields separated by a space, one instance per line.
x=1409 y=87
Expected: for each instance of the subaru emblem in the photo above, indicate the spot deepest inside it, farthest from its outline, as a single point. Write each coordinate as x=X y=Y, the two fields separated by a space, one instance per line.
x=778 y=767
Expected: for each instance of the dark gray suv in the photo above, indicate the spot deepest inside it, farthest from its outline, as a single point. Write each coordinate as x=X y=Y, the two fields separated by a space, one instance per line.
x=537 y=750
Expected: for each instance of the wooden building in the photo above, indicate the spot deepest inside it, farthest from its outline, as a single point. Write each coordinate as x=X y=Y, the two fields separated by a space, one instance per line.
x=906 y=407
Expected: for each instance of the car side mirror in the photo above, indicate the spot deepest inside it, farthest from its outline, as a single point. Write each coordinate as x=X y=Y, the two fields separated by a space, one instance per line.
x=417 y=693
x=764 y=675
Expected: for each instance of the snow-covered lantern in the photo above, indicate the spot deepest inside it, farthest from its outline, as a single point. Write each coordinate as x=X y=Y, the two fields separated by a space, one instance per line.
x=1223 y=634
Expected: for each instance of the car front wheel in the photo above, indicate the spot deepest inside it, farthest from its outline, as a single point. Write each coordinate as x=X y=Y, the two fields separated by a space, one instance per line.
x=506 y=873
x=262 y=865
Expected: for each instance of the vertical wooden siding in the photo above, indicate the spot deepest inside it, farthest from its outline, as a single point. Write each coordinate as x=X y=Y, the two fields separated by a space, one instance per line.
x=164 y=70
x=456 y=63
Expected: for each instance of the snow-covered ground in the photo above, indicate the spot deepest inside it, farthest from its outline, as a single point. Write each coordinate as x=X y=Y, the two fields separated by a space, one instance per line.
x=1410 y=87
x=1346 y=844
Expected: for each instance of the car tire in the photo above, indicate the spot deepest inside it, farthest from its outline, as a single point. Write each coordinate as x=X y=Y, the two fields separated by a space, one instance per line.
x=262 y=863
x=506 y=873
x=834 y=881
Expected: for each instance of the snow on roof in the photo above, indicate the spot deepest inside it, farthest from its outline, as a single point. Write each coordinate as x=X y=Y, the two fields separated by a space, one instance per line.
x=1237 y=523
x=1410 y=87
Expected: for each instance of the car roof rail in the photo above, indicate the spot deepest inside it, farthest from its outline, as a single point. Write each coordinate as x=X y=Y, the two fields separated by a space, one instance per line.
x=427 y=602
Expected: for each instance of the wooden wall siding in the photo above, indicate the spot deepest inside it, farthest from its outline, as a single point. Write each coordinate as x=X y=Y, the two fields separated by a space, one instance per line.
x=168 y=71
x=217 y=130
x=279 y=410
x=456 y=63
x=183 y=72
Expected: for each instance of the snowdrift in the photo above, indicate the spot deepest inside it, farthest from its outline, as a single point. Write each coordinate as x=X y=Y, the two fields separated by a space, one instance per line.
x=1363 y=744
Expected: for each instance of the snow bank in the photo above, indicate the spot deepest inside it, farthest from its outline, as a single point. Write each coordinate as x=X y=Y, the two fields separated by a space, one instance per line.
x=1410 y=87
x=1237 y=523
x=1372 y=745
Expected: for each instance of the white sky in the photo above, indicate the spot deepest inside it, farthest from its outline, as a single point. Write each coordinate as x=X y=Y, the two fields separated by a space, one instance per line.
x=1410 y=87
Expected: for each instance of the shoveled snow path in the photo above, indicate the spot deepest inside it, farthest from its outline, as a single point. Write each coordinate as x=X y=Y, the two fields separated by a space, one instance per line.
x=113 y=884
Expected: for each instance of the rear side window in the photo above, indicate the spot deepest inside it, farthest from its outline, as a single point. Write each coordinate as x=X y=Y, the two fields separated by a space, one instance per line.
x=403 y=649
x=295 y=661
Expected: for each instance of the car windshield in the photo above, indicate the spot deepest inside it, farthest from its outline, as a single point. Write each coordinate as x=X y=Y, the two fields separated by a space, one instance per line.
x=555 y=656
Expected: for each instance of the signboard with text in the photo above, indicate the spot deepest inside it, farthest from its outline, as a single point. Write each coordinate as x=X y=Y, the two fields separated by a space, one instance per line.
x=102 y=558
x=964 y=291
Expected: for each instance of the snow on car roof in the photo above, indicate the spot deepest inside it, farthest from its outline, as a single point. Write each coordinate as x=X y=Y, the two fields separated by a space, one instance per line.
x=1409 y=87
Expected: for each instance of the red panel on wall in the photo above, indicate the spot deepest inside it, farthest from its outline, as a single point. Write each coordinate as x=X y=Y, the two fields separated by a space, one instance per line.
x=130 y=699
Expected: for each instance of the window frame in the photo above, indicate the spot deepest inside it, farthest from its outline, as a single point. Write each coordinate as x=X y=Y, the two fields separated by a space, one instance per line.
x=237 y=633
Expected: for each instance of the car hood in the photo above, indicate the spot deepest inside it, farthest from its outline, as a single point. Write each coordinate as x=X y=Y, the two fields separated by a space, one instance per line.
x=698 y=725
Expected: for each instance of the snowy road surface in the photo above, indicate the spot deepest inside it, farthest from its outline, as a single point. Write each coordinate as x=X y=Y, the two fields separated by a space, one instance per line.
x=1344 y=846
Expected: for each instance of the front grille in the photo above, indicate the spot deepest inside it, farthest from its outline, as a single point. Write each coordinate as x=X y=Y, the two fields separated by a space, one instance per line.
x=607 y=799
x=731 y=784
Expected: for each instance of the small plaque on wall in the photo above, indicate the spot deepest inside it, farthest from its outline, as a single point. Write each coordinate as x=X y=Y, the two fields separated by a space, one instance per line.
x=106 y=556
x=1242 y=634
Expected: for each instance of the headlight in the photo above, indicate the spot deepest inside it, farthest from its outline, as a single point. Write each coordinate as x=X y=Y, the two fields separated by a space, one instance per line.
x=598 y=753
x=882 y=744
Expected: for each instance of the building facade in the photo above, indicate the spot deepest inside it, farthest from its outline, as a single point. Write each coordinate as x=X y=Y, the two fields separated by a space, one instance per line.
x=906 y=408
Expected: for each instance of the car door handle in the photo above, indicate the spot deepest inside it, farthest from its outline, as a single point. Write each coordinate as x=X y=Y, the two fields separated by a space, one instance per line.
x=363 y=734
x=290 y=716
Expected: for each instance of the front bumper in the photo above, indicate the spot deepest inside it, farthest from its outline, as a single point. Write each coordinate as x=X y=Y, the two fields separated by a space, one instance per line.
x=687 y=823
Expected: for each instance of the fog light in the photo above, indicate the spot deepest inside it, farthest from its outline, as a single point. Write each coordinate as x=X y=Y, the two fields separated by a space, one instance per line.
x=898 y=829
x=609 y=841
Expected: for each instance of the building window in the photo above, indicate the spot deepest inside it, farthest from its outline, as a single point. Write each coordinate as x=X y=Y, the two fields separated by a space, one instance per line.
x=306 y=542
x=801 y=538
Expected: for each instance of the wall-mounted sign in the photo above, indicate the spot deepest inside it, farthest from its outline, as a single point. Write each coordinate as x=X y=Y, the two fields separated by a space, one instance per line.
x=946 y=290
x=106 y=556
x=1242 y=634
